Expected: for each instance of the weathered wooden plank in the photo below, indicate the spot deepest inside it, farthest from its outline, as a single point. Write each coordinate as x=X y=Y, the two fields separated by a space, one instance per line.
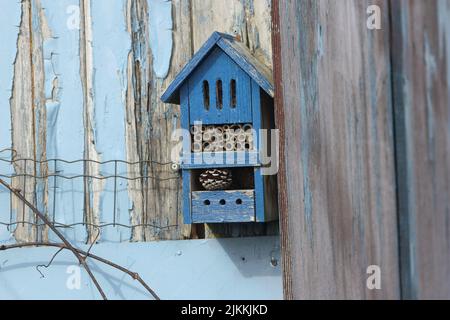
x=154 y=202
x=338 y=203
x=91 y=187
x=279 y=113
x=25 y=101
x=421 y=77
x=249 y=20
x=164 y=196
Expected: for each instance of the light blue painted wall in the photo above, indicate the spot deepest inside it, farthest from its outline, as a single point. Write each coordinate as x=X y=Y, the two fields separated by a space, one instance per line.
x=9 y=30
x=195 y=269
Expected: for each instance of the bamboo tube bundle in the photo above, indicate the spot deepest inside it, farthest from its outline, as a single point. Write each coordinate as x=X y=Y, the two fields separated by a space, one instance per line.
x=236 y=127
x=197 y=147
x=240 y=146
x=207 y=147
x=196 y=129
x=241 y=136
x=248 y=129
x=217 y=135
x=218 y=143
x=198 y=137
x=218 y=146
x=228 y=136
x=249 y=136
x=207 y=136
x=230 y=146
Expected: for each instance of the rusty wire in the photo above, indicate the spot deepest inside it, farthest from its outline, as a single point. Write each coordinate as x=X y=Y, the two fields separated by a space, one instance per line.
x=80 y=255
x=57 y=175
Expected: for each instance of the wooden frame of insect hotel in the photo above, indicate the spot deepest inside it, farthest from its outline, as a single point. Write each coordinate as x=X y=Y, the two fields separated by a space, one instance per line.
x=226 y=99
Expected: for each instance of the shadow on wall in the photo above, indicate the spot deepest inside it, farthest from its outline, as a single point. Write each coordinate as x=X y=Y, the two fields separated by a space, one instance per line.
x=240 y=268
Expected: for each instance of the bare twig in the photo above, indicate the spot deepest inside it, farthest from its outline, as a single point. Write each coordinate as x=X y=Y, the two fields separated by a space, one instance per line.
x=93 y=242
x=81 y=259
x=48 y=264
x=133 y=275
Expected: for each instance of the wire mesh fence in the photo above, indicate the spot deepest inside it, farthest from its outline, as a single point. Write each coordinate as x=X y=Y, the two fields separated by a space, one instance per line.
x=46 y=181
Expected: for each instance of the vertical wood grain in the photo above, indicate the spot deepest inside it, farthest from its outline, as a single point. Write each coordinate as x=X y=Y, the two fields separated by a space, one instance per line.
x=421 y=77
x=91 y=187
x=25 y=102
x=338 y=188
x=150 y=124
x=280 y=120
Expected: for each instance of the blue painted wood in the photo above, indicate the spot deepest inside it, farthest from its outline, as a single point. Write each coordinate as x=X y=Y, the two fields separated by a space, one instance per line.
x=220 y=160
x=244 y=58
x=260 y=194
x=217 y=66
x=259 y=180
x=236 y=51
x=184 y=115
x=223 y=206
x=186 y=175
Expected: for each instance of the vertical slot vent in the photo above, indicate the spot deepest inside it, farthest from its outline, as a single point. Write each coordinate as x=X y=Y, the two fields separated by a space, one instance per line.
x=206 y=94
x=219 y=94
x=233 y=98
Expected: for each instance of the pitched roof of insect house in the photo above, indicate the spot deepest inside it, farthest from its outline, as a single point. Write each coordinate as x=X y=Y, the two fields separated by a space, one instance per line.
x=240 y=54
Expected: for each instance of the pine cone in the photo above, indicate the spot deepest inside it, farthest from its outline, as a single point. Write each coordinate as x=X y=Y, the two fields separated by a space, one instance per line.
x=216 y=179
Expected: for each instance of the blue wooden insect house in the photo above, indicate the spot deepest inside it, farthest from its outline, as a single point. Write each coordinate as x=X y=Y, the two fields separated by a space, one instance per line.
x=226 y=99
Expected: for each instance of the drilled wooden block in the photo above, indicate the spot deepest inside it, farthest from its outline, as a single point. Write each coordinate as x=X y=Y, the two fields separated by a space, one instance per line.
x=223 y=206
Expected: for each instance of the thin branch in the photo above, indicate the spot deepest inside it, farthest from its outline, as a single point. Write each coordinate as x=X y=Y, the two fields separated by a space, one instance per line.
x=48 y=264
x=61 y=246
x=81 y=259
x=93 y=242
